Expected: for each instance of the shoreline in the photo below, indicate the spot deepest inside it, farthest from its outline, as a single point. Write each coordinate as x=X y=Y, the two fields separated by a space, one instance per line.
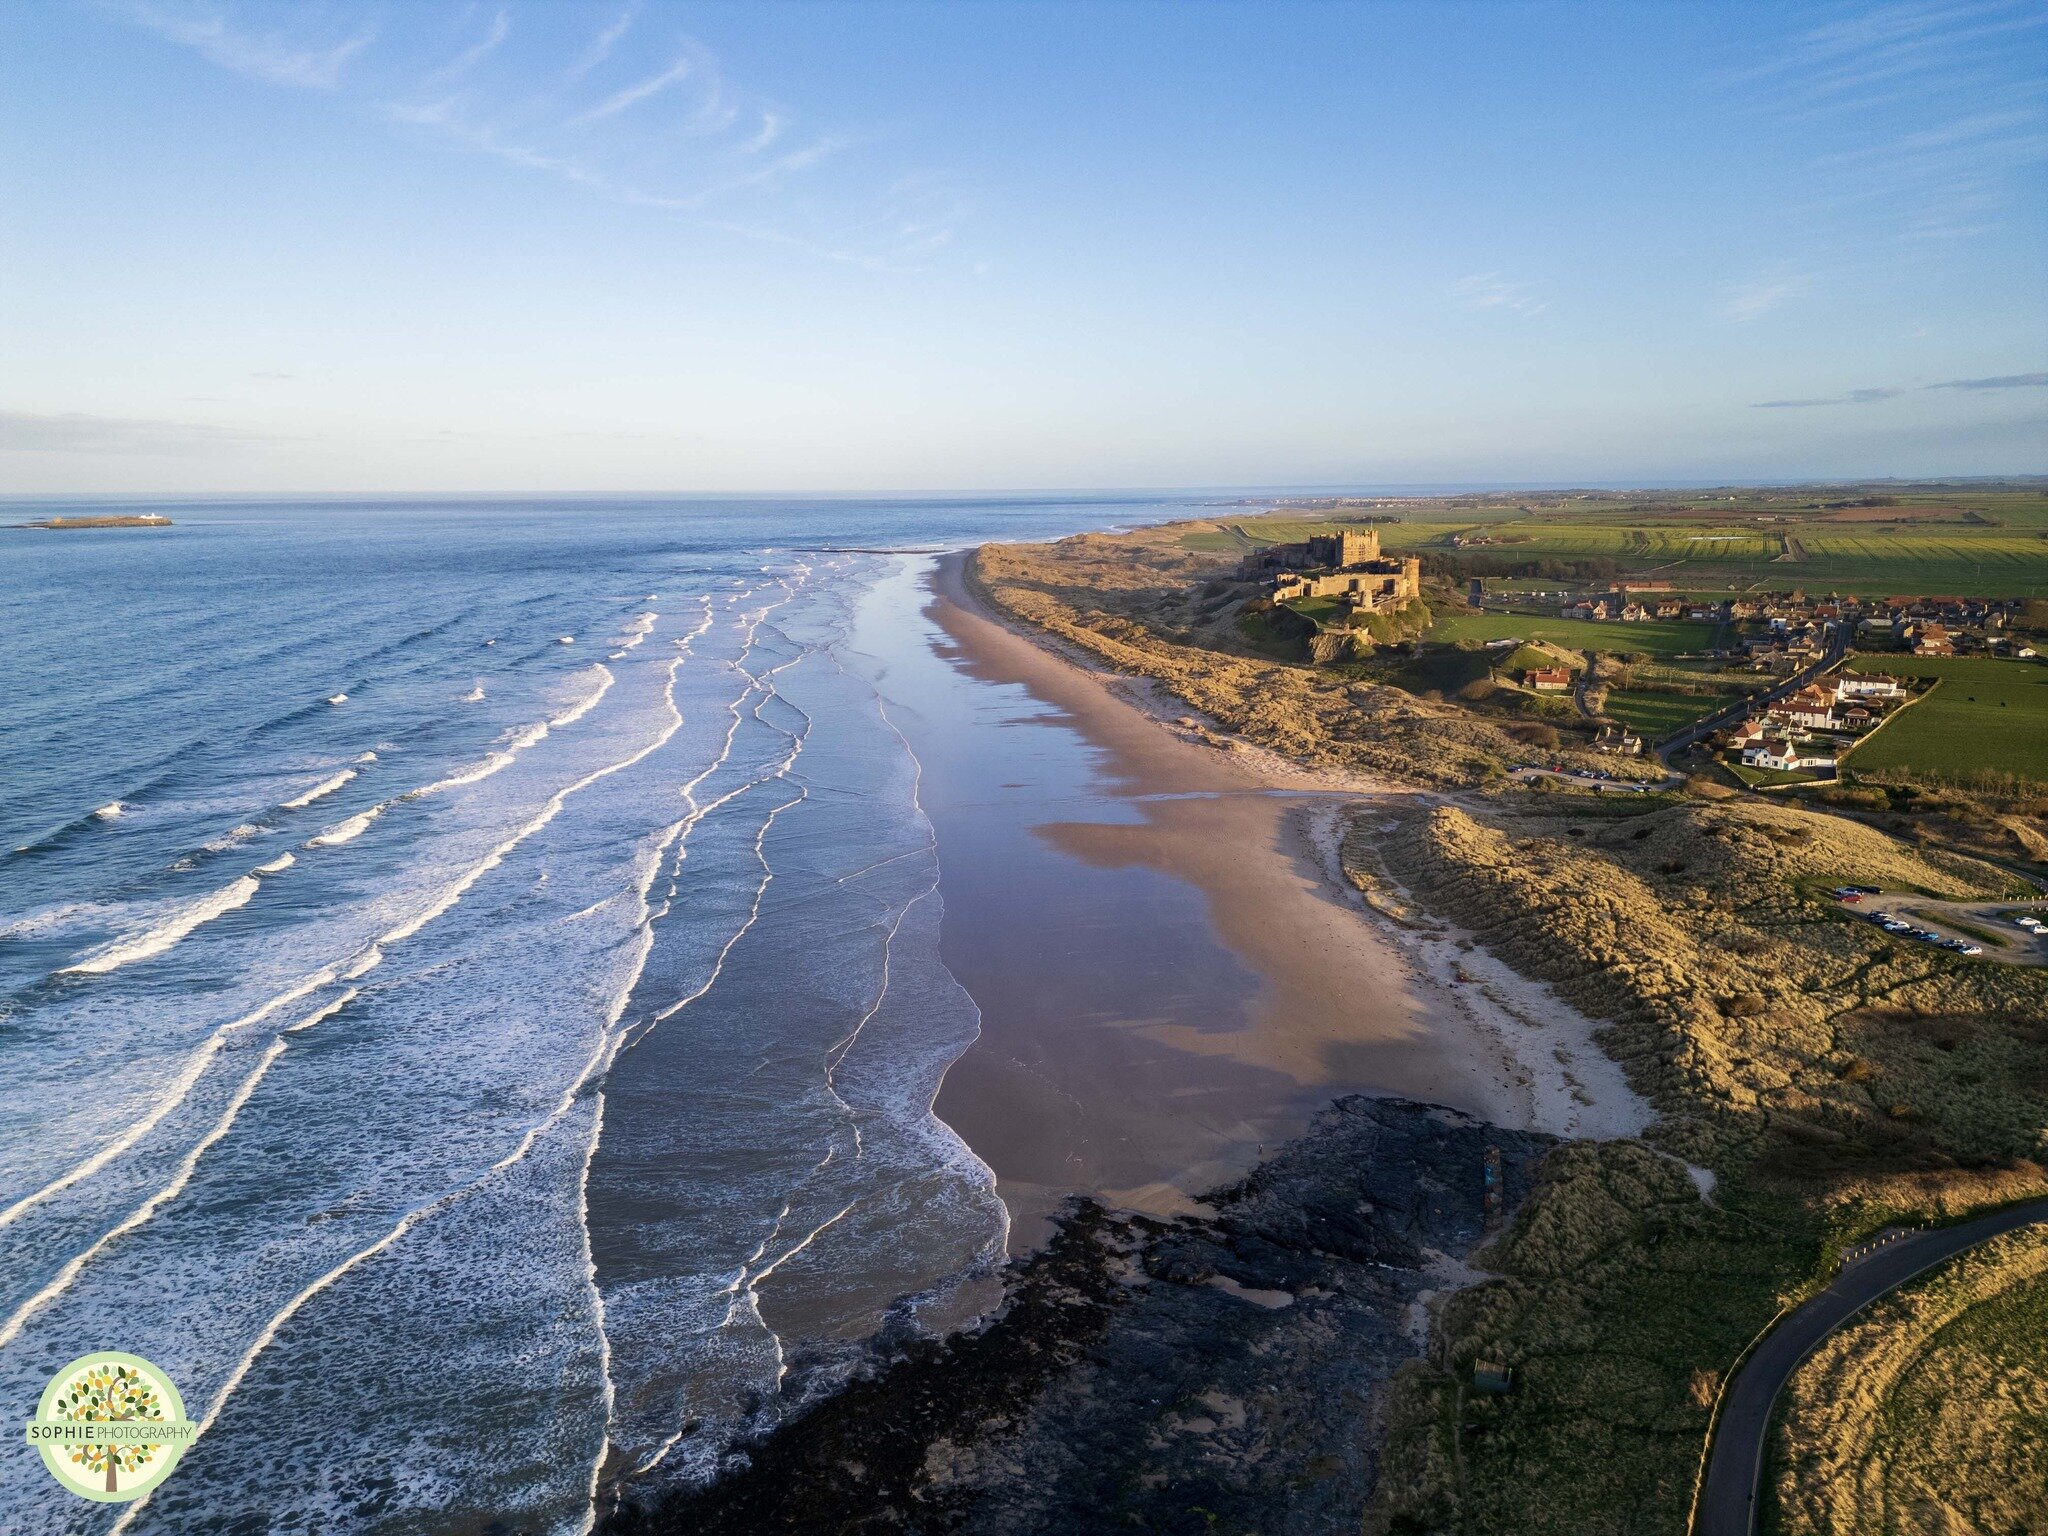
x=1342 y=999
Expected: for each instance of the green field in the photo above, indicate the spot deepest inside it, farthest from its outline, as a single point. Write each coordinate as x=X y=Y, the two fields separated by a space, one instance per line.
x=1977 y=540
x=1981 y=715
x=1657 y=637
x=1657 y=715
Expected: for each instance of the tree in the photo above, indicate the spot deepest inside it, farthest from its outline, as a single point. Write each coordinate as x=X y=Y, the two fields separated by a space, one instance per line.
x=111 y=1394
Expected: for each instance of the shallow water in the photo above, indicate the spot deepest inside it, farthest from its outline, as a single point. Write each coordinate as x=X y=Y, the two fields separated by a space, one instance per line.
x=474 y=1066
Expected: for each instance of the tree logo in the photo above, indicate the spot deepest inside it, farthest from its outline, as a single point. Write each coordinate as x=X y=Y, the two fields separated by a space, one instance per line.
x=110 y=1427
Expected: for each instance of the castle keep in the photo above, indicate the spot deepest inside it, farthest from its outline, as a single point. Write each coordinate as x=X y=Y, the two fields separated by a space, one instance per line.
x=1346 y=564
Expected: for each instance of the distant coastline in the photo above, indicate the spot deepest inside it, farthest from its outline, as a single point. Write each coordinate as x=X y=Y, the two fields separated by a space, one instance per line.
x=145 y=520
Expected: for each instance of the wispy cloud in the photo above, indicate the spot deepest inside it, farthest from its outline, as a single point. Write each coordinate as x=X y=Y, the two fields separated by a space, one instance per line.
x=1743 y=302
x=1853 y=397
x=1873 y=396
x=601 y=45
x=265 y=55
x=76 y=432
x=1938 y=120
x=2002 y=381
x=633 y=95
x=1489 y=290
x=643 y=117
x=500 y=29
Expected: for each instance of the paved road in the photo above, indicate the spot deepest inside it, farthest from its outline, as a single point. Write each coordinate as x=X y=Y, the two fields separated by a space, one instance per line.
x=1728 y=1501
x=1699 y=730
x=1588 y=780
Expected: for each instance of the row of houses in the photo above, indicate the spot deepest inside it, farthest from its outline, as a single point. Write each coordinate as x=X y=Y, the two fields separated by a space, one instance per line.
x=1781 y=736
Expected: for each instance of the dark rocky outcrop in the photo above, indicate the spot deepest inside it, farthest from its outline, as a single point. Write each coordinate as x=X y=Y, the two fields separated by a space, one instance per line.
x=1211 y=1374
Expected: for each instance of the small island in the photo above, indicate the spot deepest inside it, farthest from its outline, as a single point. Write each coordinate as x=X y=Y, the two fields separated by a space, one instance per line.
x=141 y=520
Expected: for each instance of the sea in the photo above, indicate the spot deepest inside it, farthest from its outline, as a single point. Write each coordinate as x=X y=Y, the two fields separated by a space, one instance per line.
x=470 y=990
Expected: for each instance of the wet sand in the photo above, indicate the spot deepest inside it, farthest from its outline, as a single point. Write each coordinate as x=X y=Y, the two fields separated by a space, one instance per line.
x=1171 y=983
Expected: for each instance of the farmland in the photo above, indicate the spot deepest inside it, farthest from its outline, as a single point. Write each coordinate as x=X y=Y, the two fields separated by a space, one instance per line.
x=1985 y=539
x=1655 y=637
x=1981 y=716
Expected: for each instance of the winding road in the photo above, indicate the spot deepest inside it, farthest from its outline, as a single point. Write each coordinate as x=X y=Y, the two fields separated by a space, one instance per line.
x=1729 y=1497
x=1699 y=730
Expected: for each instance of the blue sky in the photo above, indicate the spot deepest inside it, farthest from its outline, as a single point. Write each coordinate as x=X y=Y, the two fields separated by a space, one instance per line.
x=339 y=246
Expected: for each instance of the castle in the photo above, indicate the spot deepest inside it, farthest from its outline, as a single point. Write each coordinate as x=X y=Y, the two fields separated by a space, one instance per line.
x=1346 y=564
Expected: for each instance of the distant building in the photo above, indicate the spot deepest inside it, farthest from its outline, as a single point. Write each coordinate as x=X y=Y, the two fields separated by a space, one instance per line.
x=1850 y=685
x=1346 y=564
x=1933 y=640
x=1783 y=754
x=1547 y=679
x=1748 y=733
x=1812 y=707
x=1615 y=738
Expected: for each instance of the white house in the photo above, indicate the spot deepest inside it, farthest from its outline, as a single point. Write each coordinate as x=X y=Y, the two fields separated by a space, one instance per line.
x=1850 y=686
x=1780 y=753
x=1812 y=707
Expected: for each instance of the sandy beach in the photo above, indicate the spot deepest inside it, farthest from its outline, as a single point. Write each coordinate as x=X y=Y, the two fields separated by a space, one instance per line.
x=1172 y=975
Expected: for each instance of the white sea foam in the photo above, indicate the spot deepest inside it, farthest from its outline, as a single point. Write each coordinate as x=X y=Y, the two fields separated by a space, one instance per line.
x=605 y=1050
x=527 y=737
x=161 y=936
x=324 y=787
x=565 y=640
x=234 y=835
x=110 y=810
x=142 y=1213
x=338 y=698
x=475 y=694
x=366 y=757
x=283 y=861
x=346 y=831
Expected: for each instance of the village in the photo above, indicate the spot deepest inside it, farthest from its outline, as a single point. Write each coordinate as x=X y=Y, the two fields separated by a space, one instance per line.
x=1781 y=631
x=1804 y=712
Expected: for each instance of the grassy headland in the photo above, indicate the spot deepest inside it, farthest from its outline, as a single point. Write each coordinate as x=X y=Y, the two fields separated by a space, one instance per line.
x=1830 y=1080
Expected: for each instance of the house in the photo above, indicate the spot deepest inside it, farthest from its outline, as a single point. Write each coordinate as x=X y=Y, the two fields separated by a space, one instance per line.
x=1747 y=734
x=1671 y=608
x=1782 y=754
x=1580 y=610
x=1812 y=707
x=1933 y=640
x=1547 y=679
x=1616 y=738
x=1633 y=613
x=1850 y=686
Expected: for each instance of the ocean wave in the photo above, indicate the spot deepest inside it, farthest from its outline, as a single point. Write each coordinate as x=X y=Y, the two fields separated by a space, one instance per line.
x=527 y=736
x=162 y=936
x=475 y=694
x=324 y=787
x=346 y=831
x=337 y=698
x=283 y=861
x=366 y=757
x=110 y=810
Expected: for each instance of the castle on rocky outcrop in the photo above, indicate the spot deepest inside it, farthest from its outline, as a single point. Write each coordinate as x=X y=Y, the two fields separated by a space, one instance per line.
x=1346 y=564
